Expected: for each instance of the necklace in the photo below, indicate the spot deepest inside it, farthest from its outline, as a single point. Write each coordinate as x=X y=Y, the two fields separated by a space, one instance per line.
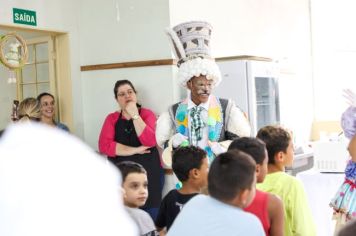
x=214 y=121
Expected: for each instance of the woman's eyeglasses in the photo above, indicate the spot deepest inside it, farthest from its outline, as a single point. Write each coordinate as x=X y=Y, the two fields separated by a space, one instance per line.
x=123 y=94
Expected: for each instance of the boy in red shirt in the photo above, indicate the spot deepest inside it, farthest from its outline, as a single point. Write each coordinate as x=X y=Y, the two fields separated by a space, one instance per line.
x=266 y=206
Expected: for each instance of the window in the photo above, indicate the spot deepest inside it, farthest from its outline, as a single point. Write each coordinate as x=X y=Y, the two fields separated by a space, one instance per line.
x=37 y=75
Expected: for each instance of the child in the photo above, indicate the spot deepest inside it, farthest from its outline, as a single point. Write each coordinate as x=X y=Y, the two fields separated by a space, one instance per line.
x=190 y=164
x=298 y=219
x=344 y=202
x=134 y=183
x=266 y=206
x=231 y=185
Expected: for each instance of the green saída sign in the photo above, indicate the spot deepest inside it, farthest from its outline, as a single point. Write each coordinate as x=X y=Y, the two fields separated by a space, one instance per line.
x=25 y=17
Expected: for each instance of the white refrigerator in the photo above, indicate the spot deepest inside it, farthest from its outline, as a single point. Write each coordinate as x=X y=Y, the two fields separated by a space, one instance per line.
x=253 y=85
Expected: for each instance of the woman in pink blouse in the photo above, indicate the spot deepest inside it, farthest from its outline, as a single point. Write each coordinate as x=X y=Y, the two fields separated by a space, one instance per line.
x=129 y=135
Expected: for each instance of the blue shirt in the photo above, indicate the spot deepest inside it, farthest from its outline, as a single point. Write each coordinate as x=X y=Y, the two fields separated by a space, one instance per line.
x=206 y=216
x=62 y=126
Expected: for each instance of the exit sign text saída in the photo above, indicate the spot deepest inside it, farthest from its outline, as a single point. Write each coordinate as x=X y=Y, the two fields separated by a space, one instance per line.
x=25 y=17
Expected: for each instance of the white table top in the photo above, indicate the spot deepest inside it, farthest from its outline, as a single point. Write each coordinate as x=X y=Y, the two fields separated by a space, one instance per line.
x=320 y=189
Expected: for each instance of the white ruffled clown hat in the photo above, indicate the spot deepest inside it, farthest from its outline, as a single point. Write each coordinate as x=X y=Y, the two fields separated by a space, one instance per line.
x=191 y=43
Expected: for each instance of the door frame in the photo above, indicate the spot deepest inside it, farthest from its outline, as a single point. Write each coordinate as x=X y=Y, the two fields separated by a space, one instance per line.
x=61 y=69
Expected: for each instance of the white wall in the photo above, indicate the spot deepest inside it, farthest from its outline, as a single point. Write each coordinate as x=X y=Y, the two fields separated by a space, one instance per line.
x=56 y=15
x=155 y=91
x=122 y=31
x=272 y=28
x=334 y=53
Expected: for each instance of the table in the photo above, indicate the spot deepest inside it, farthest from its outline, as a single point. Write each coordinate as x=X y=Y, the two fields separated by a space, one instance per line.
x=320 y=188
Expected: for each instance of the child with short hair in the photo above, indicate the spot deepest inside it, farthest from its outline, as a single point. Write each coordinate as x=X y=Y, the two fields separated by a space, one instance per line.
x=344 y=201
x=266 y=206
x=190 y=165
x=298 y=219
x=231 y=185
x=134 y=184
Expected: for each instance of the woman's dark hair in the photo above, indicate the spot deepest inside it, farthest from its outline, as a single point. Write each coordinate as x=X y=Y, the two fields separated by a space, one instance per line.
x=128 y=167
x=252 y=146
x=44 y=94
x=123 y=82
x=276 y=139
x=120 y=83
x=185 y=159
x=230 y=173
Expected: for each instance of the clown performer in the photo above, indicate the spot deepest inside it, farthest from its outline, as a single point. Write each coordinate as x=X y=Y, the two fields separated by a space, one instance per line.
x=201 y=119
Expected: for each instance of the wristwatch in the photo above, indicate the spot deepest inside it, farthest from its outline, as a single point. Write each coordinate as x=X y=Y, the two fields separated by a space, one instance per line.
x=135 y=117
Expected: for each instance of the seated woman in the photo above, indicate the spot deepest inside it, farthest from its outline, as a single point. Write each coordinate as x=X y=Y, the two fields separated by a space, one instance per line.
x=47 y=103
x=29 y=110
x=129 y=135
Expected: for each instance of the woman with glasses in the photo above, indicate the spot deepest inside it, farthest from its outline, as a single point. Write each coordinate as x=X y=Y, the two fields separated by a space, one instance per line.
x=129 y=135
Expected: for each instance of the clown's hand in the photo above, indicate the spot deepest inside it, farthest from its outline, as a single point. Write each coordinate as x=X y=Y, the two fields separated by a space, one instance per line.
x=350 y=96
x=178 y=139
x=216 y=148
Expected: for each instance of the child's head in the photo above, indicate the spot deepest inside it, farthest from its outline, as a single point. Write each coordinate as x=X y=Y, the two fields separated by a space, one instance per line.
x=134 y=183
x=257 y=150
x=190 y=164
x=232 y=178
x=278 y=143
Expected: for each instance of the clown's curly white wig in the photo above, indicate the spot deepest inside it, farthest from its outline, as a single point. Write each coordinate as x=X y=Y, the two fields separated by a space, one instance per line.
x=199 y=66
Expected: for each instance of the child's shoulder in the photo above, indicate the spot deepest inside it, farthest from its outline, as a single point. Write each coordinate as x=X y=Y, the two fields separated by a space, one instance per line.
x=175 y=194
x=137 y=212
x=292 y=181
x=139 y=215
x=286 y=176
x=283 y=179
x=143 y=221
x=171 y=193
x=171 y=196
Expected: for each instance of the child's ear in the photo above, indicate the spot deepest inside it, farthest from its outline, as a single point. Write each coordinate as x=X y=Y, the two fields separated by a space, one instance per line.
x=258 y=169
x=123 y=192
x=279 y=157
x=194 y=173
